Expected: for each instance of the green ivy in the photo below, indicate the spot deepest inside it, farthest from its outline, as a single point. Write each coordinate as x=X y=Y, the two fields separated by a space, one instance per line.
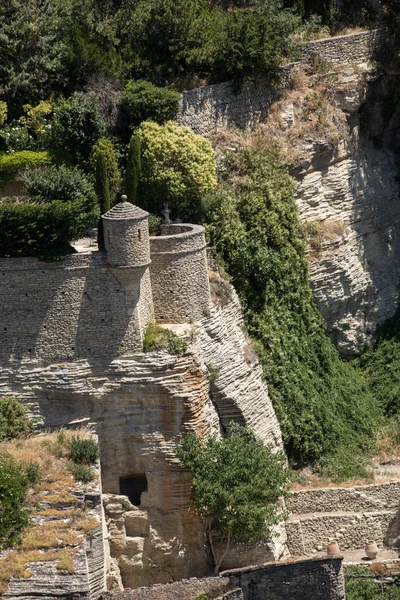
x=321 y=401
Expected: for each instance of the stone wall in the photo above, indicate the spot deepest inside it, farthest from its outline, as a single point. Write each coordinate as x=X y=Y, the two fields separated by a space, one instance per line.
x=358 y=498
x=69 y=310
x=212 y=108
x=179 y=274
x=319 y=578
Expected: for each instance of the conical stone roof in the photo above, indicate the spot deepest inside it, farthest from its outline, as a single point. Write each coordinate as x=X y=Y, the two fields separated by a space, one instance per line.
x=126 y=211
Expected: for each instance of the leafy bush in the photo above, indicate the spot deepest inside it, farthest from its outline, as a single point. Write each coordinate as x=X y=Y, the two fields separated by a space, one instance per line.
x=11 y=164
x=75 y=127
x=237 y=482
x=154 y=223
x=62 y=207
x=321 y=401
x=28 y=132
x=3 y=113
x=106 y=147
x=83 y=473
x=367 y=589
x=144 y=101
x=158 y=338
x=178 y=167
x=83 y=451
x=13 y=488
x=32 y=472
x=14 y=421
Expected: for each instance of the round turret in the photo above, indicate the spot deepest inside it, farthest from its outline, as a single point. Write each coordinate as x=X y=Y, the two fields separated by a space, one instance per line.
x=126 y=235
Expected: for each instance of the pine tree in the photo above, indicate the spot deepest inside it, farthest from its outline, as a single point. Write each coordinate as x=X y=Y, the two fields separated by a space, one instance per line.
x=133 y=168
x=103 y=195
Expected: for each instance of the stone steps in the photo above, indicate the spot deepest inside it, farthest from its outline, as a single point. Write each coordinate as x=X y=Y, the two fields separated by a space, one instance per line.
x=308 y=533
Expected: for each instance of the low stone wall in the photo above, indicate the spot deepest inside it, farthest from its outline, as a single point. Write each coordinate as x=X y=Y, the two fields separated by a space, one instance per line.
x=210 y=109
x=354 y=48
x=319 y=578
x=179 y=274
x=359 y=498
x=186 y=589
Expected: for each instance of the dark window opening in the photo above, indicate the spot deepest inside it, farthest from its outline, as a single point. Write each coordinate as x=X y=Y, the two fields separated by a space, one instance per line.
x=133 y=486
x=139 y=235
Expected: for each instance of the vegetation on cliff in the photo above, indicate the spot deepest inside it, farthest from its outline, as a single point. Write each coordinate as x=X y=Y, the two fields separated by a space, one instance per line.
x=237 y=483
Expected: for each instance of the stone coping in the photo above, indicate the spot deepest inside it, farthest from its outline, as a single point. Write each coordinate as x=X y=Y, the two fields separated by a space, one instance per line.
x=284 y=563
x=358 y=34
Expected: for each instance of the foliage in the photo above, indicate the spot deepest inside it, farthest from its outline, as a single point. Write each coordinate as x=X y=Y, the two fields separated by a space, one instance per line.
x=75 y=127
x=322 y=402
x=36 y=116
x=237 y=482
x=14 y=421
x=103 y=196
x=3 y=113
x=178 y=167
x=26 y=159
x=106 y=147
x=158 y=338
x=154 y=223
x=144 y=101
x=32 y=472
x=367 y=589
x=33 y=49
x=344 y=462
x=102 y=186
x=13 y=488
x=83 y=451
x=133 y=171
x=62 y=206
x=83 y=473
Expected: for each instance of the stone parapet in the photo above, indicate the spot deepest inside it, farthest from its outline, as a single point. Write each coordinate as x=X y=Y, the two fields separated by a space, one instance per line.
x=179 y=274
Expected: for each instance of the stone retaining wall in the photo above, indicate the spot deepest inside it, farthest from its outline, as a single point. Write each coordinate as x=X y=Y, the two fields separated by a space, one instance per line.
x=359 y=498
x=210 y=109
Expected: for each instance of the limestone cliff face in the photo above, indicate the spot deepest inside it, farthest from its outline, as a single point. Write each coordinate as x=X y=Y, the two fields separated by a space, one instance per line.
x=347 y=187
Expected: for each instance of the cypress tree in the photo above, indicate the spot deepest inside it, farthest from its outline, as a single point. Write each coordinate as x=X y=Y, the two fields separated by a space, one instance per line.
x=133 y=167
x=103 y=195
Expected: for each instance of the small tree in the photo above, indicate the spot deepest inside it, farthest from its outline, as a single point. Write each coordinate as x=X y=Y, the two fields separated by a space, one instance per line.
x=178 y=167
x=103 y=195
x=133 y=168
x=237 y=482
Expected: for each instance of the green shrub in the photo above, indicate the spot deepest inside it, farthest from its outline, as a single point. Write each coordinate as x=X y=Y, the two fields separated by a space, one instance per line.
x=106 y=147
x=154 y=223
x=344 y=463
x=158 y=338
x=13 y=489
x=14 y=421
x=63 y=205
x=143 y=101
x=12 y=164
x=83 y=451
x=367 y=589
x=178 y=167
x=32 y=472
x=75 y=127
x=83 y=473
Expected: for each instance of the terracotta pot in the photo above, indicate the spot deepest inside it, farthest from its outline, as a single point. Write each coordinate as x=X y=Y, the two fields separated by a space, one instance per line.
x=333 y=548
x=371 y=549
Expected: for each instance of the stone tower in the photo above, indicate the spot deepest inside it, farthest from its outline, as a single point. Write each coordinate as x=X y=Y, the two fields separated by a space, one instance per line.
x=126 y=236
x=127 y=246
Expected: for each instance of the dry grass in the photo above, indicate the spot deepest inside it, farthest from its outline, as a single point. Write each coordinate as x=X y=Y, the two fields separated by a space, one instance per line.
x=388 y=442
x=326 y=232
x=62 y=530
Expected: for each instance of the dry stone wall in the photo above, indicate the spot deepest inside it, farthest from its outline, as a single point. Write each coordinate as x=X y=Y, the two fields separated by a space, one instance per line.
x=213 y=108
